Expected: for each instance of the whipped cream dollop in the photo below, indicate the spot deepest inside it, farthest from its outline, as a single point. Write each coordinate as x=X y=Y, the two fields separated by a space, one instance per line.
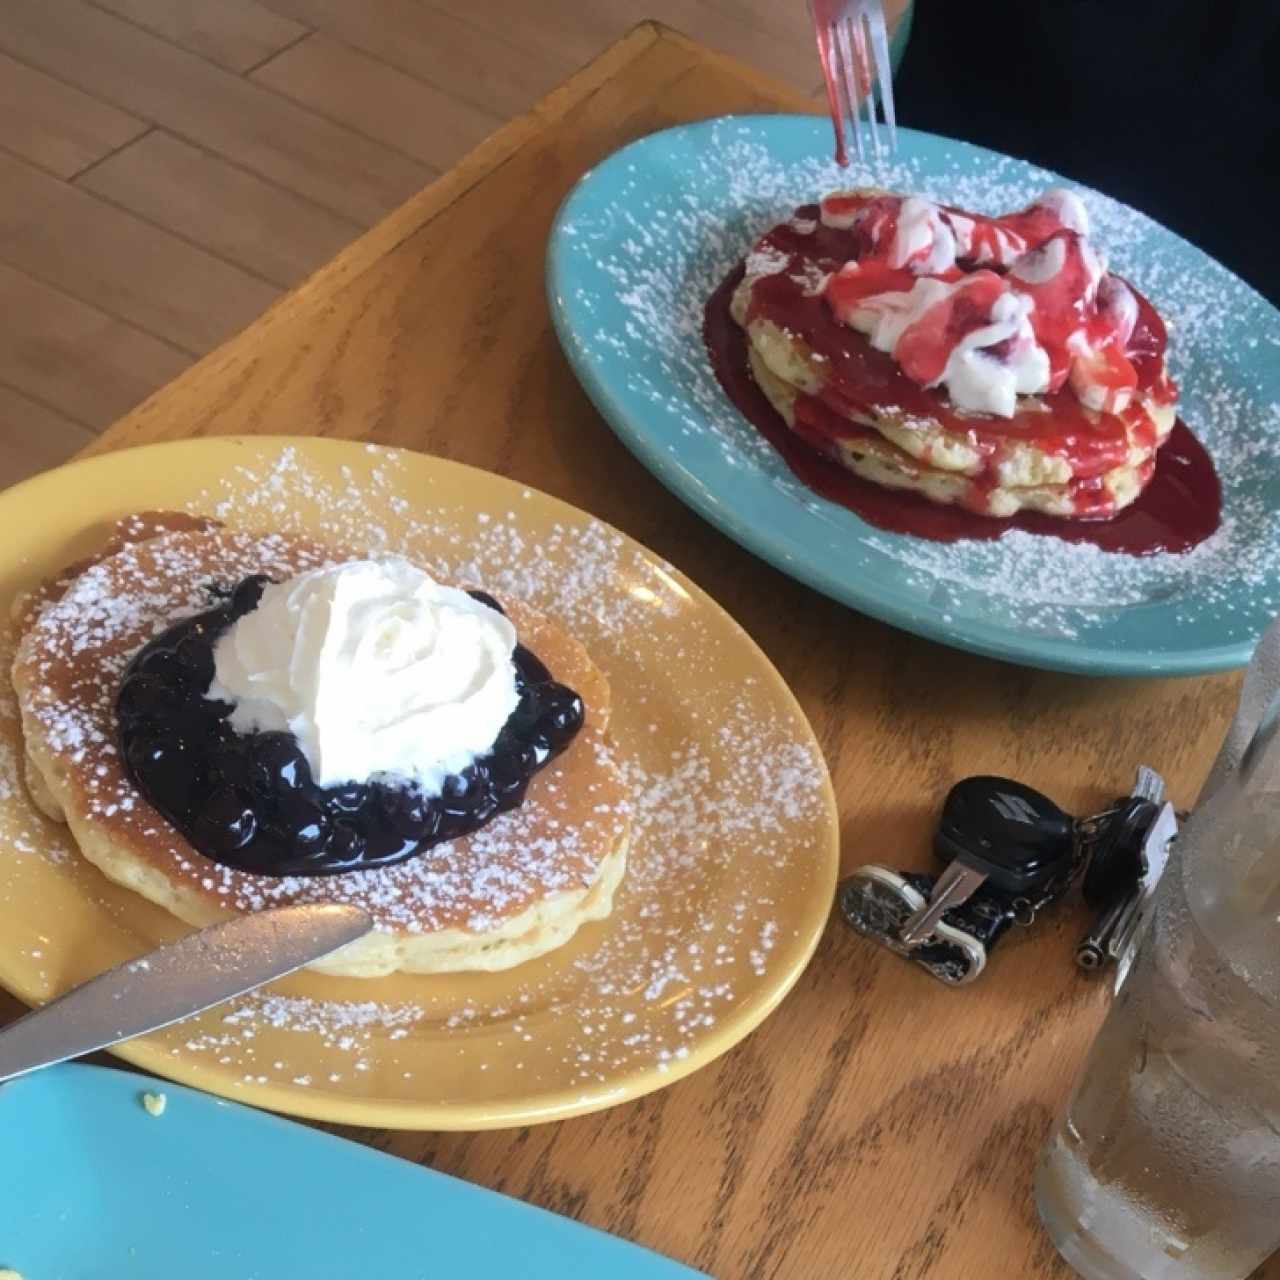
x=1032 y=308
x=916 y=328
x=375 y=668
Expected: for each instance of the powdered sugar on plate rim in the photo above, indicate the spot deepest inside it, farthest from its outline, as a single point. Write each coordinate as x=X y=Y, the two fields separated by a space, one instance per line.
x=733 y=825
x=641 y=243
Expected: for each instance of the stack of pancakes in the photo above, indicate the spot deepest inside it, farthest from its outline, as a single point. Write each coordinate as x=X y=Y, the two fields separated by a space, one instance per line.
x=1097 y=464
x=517 y=888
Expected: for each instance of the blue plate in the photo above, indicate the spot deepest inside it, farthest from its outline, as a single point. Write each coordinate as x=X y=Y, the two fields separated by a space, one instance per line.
x=93 y=1186
x=645 y=237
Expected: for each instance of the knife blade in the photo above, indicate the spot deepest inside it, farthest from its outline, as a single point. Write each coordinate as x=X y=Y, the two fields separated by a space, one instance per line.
x=177 y=980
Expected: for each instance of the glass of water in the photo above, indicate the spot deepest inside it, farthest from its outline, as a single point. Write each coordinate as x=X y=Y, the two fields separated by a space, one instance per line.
x=1165 y=1164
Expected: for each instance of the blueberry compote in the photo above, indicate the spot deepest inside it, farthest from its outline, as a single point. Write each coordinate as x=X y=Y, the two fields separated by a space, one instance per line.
x=248 y=800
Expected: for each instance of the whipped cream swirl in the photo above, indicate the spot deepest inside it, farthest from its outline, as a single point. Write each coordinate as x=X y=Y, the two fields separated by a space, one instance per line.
x=375 y=668
x=1034 y=306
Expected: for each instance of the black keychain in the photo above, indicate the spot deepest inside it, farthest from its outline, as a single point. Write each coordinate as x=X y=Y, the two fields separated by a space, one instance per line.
x=1009 y=852
x=1126 y=862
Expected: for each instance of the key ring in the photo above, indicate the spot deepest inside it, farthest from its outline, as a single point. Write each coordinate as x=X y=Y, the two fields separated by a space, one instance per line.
x=993 y=834
x=1025 y=912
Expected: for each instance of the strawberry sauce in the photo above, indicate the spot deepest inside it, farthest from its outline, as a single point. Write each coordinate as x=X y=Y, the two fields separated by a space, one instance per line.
x=1179 y=508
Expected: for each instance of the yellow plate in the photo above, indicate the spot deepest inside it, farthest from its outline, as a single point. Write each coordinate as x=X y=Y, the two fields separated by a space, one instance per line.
x=733 y=864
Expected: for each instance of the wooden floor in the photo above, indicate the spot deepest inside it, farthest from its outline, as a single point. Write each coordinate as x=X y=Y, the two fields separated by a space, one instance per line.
x=168 y=167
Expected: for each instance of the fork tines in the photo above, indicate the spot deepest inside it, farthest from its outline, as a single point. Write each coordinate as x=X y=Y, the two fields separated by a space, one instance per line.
x=852 y=38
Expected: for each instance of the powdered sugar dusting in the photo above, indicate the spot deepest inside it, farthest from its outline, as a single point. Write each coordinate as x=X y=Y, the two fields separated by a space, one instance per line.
x=728 y=794
x=660 y=248
x=79 y=646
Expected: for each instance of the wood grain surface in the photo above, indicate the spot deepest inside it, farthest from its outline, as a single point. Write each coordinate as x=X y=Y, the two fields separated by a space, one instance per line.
x=878 y=1125
x=146 y=76
x=54 y=125
x=268 y=134
x=234 y=214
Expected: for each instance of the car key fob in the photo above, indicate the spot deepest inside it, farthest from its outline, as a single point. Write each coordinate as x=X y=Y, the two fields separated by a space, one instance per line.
x=1017 y=831
x=1127 y=848
x=1008 y=851
x=999 y=838
x=1116 y=863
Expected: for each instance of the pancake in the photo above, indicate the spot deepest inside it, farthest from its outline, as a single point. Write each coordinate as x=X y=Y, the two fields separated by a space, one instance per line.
x=517 y=888
x=922 y=280
x=879 y=459
x=134 y=528
x=1016 y=463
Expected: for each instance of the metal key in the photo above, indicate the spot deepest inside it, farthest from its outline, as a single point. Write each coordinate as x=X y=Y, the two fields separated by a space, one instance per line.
x=1094 y=949
x=1149 y=785
x=1123 y=940
x=997 y=833
x=1119 y=865
x=1114 y=931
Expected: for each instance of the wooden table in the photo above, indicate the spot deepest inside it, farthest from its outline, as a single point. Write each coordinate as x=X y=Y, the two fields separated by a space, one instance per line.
x=878 y=1125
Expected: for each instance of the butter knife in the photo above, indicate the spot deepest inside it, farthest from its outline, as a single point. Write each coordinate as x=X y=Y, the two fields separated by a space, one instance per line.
x=177 y=980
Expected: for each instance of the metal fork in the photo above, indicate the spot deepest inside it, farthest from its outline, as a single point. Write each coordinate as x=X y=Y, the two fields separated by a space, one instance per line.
x=845 y=30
